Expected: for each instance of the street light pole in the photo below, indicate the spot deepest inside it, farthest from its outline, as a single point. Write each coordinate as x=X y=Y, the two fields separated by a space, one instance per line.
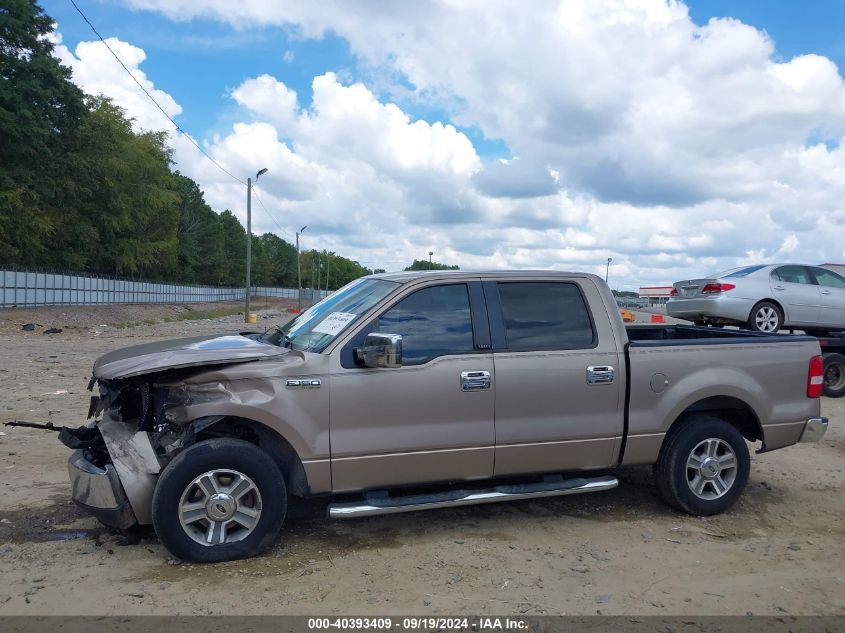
x=249 y=240
x=299 y=272
x=430 y=253
x=607 y=269
x=328 y=270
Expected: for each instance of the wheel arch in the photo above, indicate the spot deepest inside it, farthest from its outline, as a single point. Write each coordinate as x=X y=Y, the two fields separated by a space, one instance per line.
x=732 y=410
x=280 y=450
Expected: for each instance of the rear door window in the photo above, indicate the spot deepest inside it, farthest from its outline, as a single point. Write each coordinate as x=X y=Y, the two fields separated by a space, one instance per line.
x=433 y=322
x=545 y=316
x=792 y=275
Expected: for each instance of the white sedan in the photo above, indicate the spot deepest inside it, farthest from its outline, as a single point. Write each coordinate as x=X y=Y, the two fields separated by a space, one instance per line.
x=764 y=298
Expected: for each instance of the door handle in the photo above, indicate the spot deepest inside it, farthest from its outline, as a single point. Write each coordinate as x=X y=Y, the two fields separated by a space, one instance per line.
x=779 y=288
x=475 y=380
x=825 y=292
x=600 y=374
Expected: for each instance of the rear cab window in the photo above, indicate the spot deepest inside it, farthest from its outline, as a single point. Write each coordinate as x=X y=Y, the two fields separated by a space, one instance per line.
x=545 y=316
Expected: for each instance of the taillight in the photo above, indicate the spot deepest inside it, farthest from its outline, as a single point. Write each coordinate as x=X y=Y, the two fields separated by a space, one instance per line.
x=713 y=289
x=673 y=292
x=815 y=377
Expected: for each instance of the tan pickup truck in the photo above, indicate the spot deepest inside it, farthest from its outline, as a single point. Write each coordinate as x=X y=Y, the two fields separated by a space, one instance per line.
x=412 y=391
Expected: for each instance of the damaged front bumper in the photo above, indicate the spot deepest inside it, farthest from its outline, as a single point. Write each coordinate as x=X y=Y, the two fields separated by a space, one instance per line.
x=119 y=493
x=98 y=492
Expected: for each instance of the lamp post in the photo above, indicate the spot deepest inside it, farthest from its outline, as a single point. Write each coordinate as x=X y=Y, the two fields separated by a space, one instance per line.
x=328 y=270
x=607 y=269
x=430 y=253
x=249 y=240
x=299 y=272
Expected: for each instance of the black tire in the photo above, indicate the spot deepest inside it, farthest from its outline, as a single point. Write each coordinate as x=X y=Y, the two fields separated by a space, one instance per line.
x=220 y=456
x=672 y=473
x=763 y=312
x=834 y=375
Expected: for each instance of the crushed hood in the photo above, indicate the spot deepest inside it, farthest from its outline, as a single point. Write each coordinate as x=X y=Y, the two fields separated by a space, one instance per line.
x=184 y=352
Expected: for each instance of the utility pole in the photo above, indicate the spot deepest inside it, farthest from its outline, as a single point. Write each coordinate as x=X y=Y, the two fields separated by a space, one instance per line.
x=328 y=270
x=319 y=274
x=299 y=272
x=249 y=240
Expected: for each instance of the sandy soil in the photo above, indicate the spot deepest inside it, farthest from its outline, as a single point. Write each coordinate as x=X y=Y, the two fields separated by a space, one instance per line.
x=781 y=550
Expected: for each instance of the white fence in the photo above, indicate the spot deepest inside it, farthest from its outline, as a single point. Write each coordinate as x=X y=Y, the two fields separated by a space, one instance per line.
x=19 y=288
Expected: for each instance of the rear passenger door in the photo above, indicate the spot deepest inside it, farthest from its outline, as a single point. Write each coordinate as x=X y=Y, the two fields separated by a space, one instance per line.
x=560 y=379
x=832 y=290
x=798 y=293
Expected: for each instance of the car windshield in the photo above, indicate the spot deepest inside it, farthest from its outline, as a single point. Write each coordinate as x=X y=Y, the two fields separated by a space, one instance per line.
x=737 y=272
x=320 y=324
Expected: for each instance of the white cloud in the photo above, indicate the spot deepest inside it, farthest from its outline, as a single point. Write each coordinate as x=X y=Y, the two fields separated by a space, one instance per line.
x=96 y=71
x=675 y=148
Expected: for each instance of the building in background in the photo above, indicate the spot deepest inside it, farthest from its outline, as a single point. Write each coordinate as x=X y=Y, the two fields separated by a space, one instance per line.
x=837 y=268
x=655 y=295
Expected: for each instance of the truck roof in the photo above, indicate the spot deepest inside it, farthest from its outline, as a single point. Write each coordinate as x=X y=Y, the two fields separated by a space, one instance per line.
x=413 y=275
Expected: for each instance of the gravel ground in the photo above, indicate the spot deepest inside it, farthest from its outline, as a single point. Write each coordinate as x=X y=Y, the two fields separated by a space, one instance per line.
x=781 y=550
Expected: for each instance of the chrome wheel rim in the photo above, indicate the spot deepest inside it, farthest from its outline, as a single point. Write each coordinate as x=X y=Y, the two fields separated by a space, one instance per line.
x=766 y=319
x=712 y=467
x=219 y=507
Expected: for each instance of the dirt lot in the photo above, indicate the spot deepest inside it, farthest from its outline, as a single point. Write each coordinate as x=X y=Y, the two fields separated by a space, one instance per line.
x=780 y=550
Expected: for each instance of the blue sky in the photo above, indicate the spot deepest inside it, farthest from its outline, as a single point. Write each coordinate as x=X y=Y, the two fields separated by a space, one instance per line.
x=586 y=129
x=198 y=61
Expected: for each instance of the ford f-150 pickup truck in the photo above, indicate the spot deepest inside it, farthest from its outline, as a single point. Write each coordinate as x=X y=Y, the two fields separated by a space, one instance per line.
x=420 y=390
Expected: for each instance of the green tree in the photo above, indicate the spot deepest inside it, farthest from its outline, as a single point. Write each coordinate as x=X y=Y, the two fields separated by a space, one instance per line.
x=422 y=264
x=39 y=107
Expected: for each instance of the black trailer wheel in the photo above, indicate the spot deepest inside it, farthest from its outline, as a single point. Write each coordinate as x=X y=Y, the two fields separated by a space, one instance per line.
x=834 y=375
x=220 y=499
x=703 y=466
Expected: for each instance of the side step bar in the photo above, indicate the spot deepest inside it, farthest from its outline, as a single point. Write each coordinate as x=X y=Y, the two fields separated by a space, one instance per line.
x=375 y=503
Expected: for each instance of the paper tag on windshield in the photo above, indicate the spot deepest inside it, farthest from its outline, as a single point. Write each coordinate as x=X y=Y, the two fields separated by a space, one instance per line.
x=334 y=323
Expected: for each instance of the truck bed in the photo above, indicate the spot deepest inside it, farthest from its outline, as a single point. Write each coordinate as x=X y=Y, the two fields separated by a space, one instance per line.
x=663 y=335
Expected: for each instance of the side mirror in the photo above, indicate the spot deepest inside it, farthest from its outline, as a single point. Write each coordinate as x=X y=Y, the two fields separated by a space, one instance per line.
x=381 y=350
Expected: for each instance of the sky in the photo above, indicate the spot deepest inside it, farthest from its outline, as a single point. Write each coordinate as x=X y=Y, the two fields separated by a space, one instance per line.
x=677 y=139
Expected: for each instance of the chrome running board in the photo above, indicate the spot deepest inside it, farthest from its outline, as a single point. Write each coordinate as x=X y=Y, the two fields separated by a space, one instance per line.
x=375 y=503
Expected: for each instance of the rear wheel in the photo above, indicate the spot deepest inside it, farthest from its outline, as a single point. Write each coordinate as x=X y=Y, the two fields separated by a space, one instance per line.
x=765 y=317
x=221 y=499
x=834 y=375
x=703 y=466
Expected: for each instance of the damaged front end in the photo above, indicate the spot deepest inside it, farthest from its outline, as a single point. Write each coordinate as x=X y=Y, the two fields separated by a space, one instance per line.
x=118 y=456
x=138 y=423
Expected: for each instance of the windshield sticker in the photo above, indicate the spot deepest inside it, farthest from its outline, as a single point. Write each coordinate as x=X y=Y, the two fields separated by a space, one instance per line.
x=334 y=323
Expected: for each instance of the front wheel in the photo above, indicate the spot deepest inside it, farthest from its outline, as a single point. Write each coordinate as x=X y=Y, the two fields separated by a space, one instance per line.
x=220 y=499
x=765 y=317
x=703 y=466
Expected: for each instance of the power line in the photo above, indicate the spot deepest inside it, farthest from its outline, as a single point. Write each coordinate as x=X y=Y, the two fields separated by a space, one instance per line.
x=267 y=211
x=169 y=118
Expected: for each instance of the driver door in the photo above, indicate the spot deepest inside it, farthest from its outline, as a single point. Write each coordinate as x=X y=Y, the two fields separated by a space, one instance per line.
x=423 y=422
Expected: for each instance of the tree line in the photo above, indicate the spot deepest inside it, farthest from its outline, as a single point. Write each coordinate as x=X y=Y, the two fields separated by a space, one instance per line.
x=81 y=191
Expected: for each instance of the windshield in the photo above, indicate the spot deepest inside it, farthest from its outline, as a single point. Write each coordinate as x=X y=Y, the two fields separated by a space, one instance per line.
x=320 y=324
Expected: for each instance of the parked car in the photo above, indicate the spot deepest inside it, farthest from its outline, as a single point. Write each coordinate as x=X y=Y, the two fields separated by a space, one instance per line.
x=420 y=390
x=764 y=298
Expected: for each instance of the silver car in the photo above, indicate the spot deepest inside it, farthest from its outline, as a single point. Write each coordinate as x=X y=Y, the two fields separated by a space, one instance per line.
x=764 y=298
